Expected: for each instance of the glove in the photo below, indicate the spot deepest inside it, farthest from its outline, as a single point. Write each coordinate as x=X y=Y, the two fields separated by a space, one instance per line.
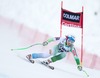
x=79 y=68
x=45 y=43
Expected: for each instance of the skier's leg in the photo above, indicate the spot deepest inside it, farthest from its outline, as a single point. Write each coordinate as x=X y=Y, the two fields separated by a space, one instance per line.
x=55 y=58
x=30 y=57
x=54 y=52
x=39 y=55
x=58 y=57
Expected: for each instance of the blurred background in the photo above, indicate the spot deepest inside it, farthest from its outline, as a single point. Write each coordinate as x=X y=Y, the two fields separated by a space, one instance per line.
x=25 y=22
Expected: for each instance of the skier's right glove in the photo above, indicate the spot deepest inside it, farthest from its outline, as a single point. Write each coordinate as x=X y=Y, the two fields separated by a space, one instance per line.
x=79 y=68
x=45 y=43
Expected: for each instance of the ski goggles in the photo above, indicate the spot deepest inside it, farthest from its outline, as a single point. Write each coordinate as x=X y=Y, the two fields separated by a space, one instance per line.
x=70 y=41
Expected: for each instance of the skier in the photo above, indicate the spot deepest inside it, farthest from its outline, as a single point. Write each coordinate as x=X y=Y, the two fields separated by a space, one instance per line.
x=59 y=51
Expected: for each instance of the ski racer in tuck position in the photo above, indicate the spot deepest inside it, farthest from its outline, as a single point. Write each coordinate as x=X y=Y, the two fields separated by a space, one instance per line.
x=59 y=51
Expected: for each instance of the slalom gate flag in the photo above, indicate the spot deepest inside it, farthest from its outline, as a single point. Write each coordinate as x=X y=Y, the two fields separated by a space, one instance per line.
x=72 y=19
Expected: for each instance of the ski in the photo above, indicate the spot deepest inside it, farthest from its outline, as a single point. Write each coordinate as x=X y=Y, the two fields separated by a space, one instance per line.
x=49 y=66
x=25 y=59
x=40 y=62
x=85 y=73
x=35 y=61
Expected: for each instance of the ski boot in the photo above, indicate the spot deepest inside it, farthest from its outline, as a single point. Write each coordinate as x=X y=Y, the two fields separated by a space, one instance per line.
x=29 y=57
x=46 y=62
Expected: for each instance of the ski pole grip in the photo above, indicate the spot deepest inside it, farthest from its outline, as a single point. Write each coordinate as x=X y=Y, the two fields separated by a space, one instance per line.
x=45 y=43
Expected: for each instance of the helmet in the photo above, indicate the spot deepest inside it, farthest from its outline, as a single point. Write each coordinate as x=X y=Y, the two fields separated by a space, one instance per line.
x=71 y=38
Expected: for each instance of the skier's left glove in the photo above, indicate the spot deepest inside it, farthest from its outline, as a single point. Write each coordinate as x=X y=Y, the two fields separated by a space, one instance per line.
x=79 y=68
x=45 y=43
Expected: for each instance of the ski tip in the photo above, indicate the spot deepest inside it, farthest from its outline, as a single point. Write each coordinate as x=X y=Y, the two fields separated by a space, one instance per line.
x=87 y=75
x=53 y=68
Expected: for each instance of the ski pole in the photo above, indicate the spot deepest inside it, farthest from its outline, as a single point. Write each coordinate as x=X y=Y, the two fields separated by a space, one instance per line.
x=27 y=47
x=85 y=73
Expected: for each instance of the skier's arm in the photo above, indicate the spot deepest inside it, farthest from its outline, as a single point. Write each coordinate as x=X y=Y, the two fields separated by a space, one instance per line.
x=53 y=39
x=75 y=56
x=76 y=59
x=50 y=40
